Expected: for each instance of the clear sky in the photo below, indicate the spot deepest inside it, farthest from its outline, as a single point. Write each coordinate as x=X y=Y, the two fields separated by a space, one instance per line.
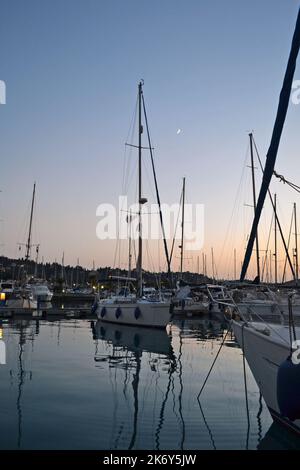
x=212 y=68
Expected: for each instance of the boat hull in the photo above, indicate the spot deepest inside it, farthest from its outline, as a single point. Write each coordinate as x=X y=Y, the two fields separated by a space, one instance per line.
x=21 y=303
x=265 y=355
x=150 y=314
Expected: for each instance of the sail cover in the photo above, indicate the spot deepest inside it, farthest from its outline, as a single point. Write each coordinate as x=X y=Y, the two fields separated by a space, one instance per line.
x=275 y=140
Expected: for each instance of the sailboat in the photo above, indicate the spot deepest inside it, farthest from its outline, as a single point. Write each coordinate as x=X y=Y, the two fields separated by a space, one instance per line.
x=188 y=299
x=135 y=308
x=35 y=289
x=271 y=349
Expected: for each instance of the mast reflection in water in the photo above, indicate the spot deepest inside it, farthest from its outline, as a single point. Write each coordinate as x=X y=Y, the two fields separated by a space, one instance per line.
x=77 y=384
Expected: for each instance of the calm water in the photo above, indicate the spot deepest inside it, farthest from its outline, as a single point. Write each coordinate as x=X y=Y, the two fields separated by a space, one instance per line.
x=77 y=384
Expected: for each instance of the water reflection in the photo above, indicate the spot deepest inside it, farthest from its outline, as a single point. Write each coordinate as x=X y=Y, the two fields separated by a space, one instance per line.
x=128 y=345
x=90 y=385
x=33 y=329
x=2 y=347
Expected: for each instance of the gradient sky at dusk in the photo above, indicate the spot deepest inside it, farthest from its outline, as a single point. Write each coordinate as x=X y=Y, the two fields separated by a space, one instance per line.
x=212 y=68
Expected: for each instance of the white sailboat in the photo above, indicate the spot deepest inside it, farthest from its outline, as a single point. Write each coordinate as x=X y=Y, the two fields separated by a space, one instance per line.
x=40 y=292
x=136 y=309
x=268 y=351
x=14 y=297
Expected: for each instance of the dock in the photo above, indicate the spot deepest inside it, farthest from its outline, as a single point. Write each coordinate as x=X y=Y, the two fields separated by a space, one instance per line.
x=67 y=312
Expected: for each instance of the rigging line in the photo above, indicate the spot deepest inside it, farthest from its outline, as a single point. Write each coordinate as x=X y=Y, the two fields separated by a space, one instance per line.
x=130 y=174
x=129 y=138
x=146 y=172
x=131 y=170
x=214 y=361
x=117 y=252
x=275 y=212
x=235 y=204
x=156 y=188
x=151 y=263
x=288 y=246
x=282 y=179
x=174 y=237
x=267 y=248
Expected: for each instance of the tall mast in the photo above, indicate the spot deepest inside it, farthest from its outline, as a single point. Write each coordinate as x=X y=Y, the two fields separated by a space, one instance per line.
x=254 y=205
x=234 y=262
x=275 y=141
x=28 y=244
x=212 y=263
x=63 y=266
x=36 y=261
x=77 y=273
x=296 y=244
x=43 y=269
x=275 y=239
x=182 y=226
x=129 y=244
x=141 y=199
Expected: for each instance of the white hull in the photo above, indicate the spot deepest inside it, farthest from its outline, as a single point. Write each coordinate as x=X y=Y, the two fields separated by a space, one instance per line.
x=284 y=308
x=41 y=293
x=259 y=307
x=44 y=298
x=29 y=304
x=138 y=313
x=266 y=308
x=196 y=307
x=265 y=353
